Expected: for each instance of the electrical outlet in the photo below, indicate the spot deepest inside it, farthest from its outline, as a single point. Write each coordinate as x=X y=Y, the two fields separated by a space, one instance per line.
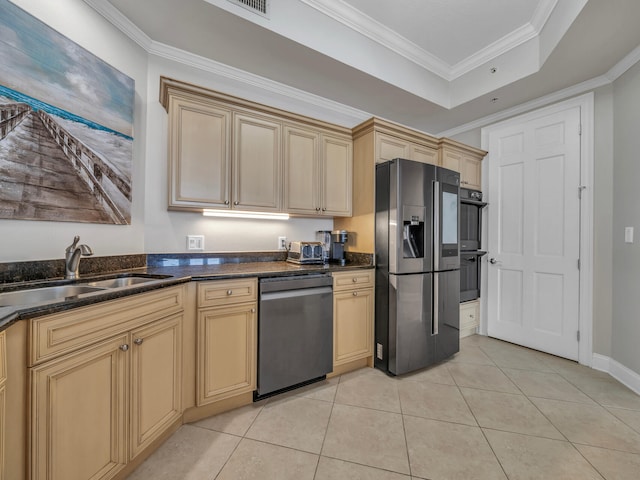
x=195 y=242
x=282 y=243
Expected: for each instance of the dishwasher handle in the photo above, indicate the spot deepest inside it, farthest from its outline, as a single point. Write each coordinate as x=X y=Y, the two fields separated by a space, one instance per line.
x=265 y=297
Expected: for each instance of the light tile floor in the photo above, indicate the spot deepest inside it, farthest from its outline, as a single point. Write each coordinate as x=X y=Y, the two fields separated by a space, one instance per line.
x=493 y=411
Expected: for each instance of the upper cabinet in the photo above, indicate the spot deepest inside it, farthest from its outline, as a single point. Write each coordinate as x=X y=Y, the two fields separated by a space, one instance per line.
x=318 y=170
x=256 y=169
x=394 y=143
x=464 y=159
x=229 y=153
x=200 y=154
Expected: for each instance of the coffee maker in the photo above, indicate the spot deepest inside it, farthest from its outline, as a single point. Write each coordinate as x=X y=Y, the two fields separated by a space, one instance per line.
x=338 y=239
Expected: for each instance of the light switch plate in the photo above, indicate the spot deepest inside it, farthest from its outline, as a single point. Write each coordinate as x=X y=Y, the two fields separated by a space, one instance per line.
x=195 y=242
x=628 y=234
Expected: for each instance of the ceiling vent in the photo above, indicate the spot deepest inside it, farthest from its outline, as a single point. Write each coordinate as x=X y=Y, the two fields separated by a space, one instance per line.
x=261 y=7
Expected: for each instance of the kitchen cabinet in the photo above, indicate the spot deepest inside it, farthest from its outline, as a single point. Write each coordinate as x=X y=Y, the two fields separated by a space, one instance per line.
x=3 y=399
x=199 y=153
x=257 y=163
x=317 y=172
x=376 y=141
x=353 y=304
x=227 y=339
x=229 y=153
x=469 y=318
x=390 y=146
x=105 y=382
x=464 y=159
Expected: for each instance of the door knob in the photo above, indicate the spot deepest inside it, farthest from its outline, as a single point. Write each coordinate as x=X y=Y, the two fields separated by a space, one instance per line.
x=493 y=261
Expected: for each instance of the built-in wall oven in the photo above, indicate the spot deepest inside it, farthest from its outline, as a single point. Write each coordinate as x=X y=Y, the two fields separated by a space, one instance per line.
x=471 y=206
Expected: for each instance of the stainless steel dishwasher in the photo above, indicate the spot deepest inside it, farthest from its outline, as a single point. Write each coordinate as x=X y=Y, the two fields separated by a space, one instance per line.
x=295 y=332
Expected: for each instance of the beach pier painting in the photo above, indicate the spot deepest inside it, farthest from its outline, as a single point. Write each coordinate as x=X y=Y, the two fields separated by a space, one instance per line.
x=66 y=127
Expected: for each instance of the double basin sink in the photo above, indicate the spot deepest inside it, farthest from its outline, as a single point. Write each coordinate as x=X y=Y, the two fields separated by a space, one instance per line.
x=57 y=293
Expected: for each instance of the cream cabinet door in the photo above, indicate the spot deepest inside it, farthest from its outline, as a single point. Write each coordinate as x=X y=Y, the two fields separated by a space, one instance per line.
x=470 y=173
x=469 y=318
x=388 y=148
x=337 y=167
x=199 y=155
x=257 y=163
x=352 y=325
x=469 y=168
x=156 y=380
x=78 y=429
x=227 y=346
x=301 y=171
x=423 y=154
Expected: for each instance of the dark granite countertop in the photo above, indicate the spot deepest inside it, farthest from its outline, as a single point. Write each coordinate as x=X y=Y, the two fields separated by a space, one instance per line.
x=169 y=273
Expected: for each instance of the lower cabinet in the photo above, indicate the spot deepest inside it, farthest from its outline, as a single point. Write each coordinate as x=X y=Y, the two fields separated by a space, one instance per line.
x=227 y=339
x=96 y=407
x=3 y=398
x=353 y=304
x=469 y=318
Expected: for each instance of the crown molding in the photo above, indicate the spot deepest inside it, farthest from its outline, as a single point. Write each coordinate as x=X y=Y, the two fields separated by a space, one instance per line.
x=379 y=33
x=529 y=106
x=607 y=78
x=364 y=25
x=122 y=23
x=323 y=106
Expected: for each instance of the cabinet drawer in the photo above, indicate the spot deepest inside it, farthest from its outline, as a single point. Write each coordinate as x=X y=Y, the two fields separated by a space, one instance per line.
x=227 y=292
x=64 y=332
x=353 y=279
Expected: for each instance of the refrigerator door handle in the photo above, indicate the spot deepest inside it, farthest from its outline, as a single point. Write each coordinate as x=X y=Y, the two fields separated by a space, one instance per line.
x=436 y=225
x=436 y=304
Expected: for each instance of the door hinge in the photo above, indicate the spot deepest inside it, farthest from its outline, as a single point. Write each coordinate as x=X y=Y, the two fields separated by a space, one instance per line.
x=578 y=264
x=578 y=335
x=580 y=189
x=579 y=129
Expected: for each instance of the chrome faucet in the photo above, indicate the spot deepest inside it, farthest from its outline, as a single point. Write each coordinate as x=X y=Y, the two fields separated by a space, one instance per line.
x=73 y=253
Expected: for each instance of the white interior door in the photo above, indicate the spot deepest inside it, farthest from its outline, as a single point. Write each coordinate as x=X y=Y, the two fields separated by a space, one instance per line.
x=533 y=290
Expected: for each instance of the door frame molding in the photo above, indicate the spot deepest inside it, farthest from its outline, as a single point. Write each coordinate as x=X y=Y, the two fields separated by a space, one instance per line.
x=586 y=104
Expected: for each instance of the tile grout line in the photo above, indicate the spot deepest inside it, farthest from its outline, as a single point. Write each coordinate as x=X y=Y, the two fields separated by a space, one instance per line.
x=326 y=430
x=479 y=427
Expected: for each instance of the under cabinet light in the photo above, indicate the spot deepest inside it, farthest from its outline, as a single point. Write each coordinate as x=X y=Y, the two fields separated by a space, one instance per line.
x=237 y=214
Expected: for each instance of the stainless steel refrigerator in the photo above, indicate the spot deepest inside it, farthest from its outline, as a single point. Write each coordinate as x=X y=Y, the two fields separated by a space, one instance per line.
x=417 y=319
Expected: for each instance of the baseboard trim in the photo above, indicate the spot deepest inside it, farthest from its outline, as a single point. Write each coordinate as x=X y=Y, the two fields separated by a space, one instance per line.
x=623 y=374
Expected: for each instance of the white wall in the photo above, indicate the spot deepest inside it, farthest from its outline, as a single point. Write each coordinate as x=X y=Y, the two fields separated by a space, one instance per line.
x=626 y=213
x=34 y=240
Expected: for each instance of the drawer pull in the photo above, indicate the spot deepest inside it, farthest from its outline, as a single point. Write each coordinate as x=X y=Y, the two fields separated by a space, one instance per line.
x=253 y=310
x=355 y=294
x=355 y=280
x=124 y=347
x=138 y=341
x=229 y=292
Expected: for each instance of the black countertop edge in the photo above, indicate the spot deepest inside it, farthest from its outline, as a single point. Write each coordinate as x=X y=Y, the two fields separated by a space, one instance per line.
x=166 y=277
x=10 y=315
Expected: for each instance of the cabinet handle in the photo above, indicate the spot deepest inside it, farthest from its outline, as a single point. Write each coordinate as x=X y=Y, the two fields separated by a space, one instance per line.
x=317 y=209
x=229 y=292
x=138 y=341
x=355 y=280
x=236 y=202
x=124 y=347
x=324 y=209
x=355 y=294
x=253 y=310
x=226 y=202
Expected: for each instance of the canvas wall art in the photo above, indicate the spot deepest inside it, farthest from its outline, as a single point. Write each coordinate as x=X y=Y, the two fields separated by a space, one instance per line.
x=66 y=127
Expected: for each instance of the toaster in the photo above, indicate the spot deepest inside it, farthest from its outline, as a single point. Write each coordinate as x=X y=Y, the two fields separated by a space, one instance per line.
x=305 y=252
